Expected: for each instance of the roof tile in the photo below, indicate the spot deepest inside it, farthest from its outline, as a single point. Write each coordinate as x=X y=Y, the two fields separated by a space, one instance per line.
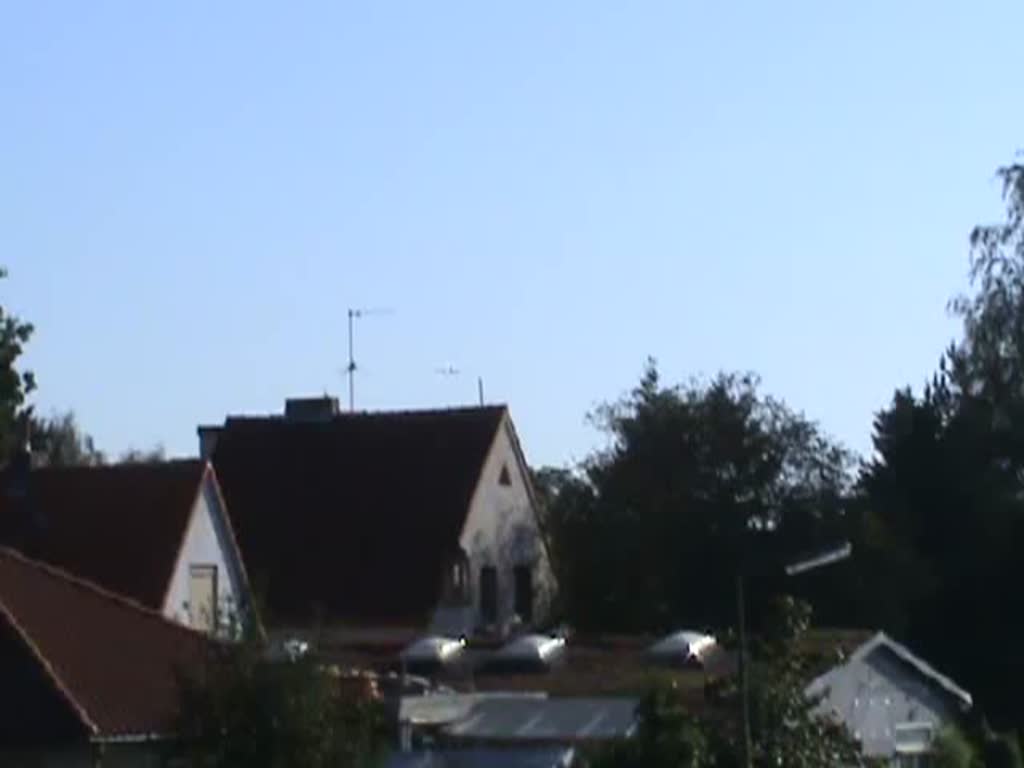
x=354 y=515
x=114 y=661
x=119 y=526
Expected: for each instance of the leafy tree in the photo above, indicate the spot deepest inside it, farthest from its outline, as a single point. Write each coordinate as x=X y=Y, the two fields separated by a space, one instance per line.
x=244 y=710
x=59 y=442
x=989 y=362
x=945 y=487
x=696 y=482
x=153 y=455
x=785 y=727
x=1003 y=752
x=15 y=385
x=951 y=749
x=786 y=730
x=667 y=737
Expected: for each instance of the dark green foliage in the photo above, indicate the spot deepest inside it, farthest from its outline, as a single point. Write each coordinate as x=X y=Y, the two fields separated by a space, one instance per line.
x=702 y=480
x=246 y=712
x=785 y=729
x=945 y=487
x=15 y=385
x=697 y=481
x=153 y=455
x=667 y=737
x=952 y=749
x=58 y=442
x=1002 y=751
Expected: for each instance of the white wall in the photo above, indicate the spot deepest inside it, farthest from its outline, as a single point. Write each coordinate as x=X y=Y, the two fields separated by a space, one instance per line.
x=501 y=530
x=874 y=694
x=207 y=542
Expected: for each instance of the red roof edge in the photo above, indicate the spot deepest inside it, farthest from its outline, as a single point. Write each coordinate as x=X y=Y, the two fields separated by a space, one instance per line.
x=58 y=573
x=48 y=669
x=250 y=607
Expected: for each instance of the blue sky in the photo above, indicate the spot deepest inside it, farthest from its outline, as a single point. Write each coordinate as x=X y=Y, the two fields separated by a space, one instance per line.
x=192 y=194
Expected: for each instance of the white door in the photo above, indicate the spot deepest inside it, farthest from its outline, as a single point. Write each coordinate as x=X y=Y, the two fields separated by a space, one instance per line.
x=202 y=598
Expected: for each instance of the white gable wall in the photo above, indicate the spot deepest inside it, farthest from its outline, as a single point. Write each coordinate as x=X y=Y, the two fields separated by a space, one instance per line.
x=501 y=530
x=207 y=542
x=878 y=698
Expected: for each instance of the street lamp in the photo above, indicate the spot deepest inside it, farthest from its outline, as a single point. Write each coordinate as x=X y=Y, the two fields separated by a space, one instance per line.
x=818 y=560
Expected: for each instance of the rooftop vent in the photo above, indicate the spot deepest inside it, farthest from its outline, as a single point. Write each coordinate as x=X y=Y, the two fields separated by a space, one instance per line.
x=431 y=653
x=311 y=408
x=685 y=647
x=528 y=653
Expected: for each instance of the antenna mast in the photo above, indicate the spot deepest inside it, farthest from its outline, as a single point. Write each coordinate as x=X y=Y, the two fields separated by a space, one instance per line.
x=451 y=370
x=351 y=368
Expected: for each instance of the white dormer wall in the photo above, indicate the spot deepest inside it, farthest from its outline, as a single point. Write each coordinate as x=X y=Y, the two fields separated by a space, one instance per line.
x=207 y=542
x=501 y=530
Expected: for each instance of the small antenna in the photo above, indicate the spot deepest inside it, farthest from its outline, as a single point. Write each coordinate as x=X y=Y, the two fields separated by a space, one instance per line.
x=351 y=368
x=451 y=370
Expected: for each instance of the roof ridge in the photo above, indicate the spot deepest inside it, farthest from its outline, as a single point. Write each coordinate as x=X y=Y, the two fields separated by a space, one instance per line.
x=342 y=415
x=882 y=639
x=60 y=574
x=179 y=461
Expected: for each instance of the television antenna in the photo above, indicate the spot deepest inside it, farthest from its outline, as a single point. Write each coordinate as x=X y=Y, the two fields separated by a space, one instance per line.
x=451 y=370
x=353 y=315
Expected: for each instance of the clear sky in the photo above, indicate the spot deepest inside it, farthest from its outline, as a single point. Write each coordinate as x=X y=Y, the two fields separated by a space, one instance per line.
x=193 y=193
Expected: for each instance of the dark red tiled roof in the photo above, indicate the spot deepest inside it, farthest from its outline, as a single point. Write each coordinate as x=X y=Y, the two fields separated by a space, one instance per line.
x=120 y=526
x=115 y=664
x=354 y=516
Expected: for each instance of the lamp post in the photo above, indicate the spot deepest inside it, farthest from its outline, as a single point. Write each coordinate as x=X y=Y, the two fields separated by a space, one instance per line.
x=810 y=563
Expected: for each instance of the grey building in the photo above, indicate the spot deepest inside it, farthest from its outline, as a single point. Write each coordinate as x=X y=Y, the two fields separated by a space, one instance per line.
x=891 y=701
x=514 y=730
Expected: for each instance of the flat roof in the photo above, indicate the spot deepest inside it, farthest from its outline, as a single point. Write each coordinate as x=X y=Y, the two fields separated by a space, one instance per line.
x=563 y=720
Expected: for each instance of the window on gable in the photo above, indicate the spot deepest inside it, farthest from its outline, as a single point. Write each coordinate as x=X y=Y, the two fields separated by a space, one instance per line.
x=458 y=585
x=522 y=576
x=504 y=478
x=202 y=599
x=489 y=594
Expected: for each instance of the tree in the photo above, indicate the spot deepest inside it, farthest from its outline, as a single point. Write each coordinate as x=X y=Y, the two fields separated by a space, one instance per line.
x=989 y=361
x=787 y=731
x=951 y=749
x=58 y=442
x=667 y=737
x=15 y=385
x=244 y=710
x=945 y=487
x=696 y=482
x=786 y=728
x=153 y=455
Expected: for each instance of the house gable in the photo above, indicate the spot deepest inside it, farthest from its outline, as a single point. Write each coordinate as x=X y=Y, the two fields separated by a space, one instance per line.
x=351 y=519
x=889 y=699
x=208 y=542
x=118 y=526
x=501 y=534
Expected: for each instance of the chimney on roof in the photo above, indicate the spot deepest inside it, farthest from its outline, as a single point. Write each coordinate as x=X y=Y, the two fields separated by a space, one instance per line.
x=208 y=440
x=311 y=408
